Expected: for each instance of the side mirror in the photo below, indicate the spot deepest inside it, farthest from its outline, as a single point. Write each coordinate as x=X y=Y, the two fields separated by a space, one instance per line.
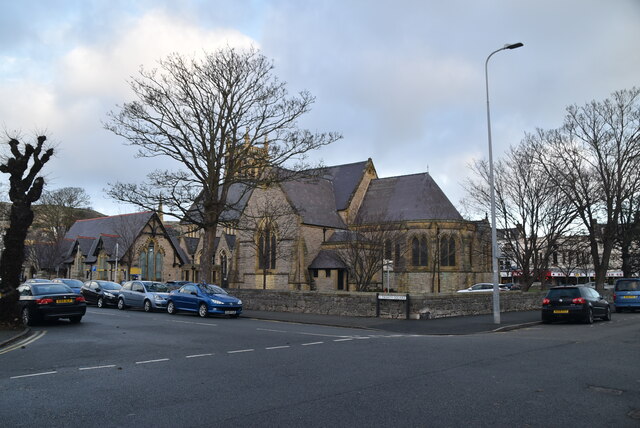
x=98 y=289
x=195 y=293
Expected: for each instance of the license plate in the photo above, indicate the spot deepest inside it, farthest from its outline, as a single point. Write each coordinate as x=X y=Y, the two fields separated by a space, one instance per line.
x=628 y=297
x=64 y=301
x=561 y=311
x=230 y=312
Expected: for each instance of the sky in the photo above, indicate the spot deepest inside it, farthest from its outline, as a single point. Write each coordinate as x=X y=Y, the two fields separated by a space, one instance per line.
x=403 y=81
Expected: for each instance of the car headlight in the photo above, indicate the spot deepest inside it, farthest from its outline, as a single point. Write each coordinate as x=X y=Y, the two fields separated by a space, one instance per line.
x=159 y=298
x=239 y=301
x=108 y=295
x=216 y=302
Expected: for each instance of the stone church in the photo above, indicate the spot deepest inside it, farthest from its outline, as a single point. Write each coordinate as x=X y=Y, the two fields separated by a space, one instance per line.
x=297 y=235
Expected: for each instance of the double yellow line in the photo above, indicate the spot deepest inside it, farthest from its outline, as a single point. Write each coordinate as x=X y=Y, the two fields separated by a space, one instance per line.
x=24 y=342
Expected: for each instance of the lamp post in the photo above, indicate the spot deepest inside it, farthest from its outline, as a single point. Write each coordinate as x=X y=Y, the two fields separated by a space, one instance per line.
x=494 y=237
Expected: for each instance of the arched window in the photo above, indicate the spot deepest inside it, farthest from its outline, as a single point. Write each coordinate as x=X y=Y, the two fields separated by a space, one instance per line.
x=267 y=248
x=447 y=251
x=223 y=265
x=419 y=251
x=151 y=263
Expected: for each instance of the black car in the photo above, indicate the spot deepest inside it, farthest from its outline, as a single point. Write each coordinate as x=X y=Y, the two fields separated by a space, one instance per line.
x=50 y=300
x=101 y=293
x=574 y=303
x=74 y=284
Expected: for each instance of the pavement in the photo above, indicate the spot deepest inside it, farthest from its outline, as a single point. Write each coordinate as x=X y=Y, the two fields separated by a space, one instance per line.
x=472 y=324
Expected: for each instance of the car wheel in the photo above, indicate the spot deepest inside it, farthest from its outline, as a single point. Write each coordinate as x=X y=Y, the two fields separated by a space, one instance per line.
x=202 y=310
x=607 y=315
x=75 y=320
x=121 y=305
x=589 y=318
x=100 y=302
x=27 y=317
x=147 y=306
x=171 y=308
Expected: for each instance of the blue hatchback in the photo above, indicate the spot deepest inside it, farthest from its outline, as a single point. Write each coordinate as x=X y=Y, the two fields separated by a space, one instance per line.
x=204 y=299
x=626 y=294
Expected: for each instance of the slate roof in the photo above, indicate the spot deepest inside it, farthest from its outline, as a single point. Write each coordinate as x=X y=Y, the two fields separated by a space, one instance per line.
x=314 y=200
x=345 y=179
x=237 y=198
x=327 y=259
x=406 y=198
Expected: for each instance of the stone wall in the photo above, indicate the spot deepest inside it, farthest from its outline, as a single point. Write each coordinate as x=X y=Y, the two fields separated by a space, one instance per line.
x=422 y=306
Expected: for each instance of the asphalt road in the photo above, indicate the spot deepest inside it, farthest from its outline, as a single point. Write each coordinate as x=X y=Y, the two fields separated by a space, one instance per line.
x=130 y=368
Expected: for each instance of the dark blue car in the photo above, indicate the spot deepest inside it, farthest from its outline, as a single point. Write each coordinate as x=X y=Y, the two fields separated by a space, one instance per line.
x=204 y=299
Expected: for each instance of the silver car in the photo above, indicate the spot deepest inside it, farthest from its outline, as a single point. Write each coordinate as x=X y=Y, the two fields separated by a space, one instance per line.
x=149 y=295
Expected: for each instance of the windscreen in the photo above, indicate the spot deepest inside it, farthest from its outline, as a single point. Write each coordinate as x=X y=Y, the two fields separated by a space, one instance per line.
x=627 y=285
x=108 y=285
x=42 y=289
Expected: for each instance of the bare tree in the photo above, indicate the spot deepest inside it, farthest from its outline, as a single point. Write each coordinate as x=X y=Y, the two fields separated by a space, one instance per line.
x=367 y=244
x=628 y=237
x=25 y=187
x=59 y=209
x=127 y=231
x=211 y=115
x=594 y=161
x=530 y=212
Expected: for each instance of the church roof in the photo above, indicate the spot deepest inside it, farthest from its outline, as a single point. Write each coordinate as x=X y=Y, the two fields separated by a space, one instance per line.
x=406 y=198
x=315 y=201
x=327 y=259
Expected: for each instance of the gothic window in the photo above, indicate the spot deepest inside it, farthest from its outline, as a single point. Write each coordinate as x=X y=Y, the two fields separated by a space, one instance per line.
x=267 y=248
x=387 y=249
x=223 y=264
x=447 y=251
x=151 y=263
x=419 y=251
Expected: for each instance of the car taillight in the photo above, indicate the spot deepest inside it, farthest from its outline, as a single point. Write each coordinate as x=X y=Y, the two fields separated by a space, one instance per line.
x=80 y=299
x=44 y=301
x=546 y=301
x=614 y=296
x=579 y=301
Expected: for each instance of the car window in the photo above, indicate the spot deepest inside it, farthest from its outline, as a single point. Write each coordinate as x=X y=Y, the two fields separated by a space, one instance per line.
x=126 y=286
x=559 y=293
x=108 y=285
x=158 y=287
x=138 y=287
x=627 y=285
x=211 y=289
x=58 y=288
x=189 y=289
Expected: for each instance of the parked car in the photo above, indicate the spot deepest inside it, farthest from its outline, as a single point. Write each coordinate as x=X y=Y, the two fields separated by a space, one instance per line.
x=174 y=285
x=482 y=287
x=101 y=293
x=149 y=295
x=576 y=302
x=74 y=284
x=204 y=299
x=626 y=294
x=36 y=280
x=49 y=300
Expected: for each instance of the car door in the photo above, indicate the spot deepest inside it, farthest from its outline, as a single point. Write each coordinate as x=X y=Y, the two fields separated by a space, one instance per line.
x=137 y=294
x=190 y=299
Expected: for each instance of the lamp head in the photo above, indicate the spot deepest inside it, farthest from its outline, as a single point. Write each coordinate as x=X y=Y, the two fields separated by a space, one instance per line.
x=513 y=46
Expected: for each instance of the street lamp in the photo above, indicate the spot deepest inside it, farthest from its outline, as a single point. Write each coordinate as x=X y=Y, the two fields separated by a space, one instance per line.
x=494 y=237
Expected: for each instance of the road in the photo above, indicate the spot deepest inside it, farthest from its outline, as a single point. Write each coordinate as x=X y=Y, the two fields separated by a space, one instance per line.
x=130 y=368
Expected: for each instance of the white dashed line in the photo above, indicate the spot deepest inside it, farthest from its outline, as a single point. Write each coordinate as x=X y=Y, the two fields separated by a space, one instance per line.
x=312 y=343
x=197 y=323
x=97 y=367
x=343 y=340
x=198 y=355
x=239 y=351
x=278 y=347
x=152 y=361
x=31 y=375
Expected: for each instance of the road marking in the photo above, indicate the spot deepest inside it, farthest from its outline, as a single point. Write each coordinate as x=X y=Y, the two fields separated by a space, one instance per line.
x=361 y=338
x=300 y=332
x=152 y=361
x=24 y=342
x=198 y=355
x=312 y=343
x=278 y=347
x=239 y=351
x=34 y=374
x=109 y=314
x=97 y=367
x=270 y=329
x=198 y=323
x=343 y=340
